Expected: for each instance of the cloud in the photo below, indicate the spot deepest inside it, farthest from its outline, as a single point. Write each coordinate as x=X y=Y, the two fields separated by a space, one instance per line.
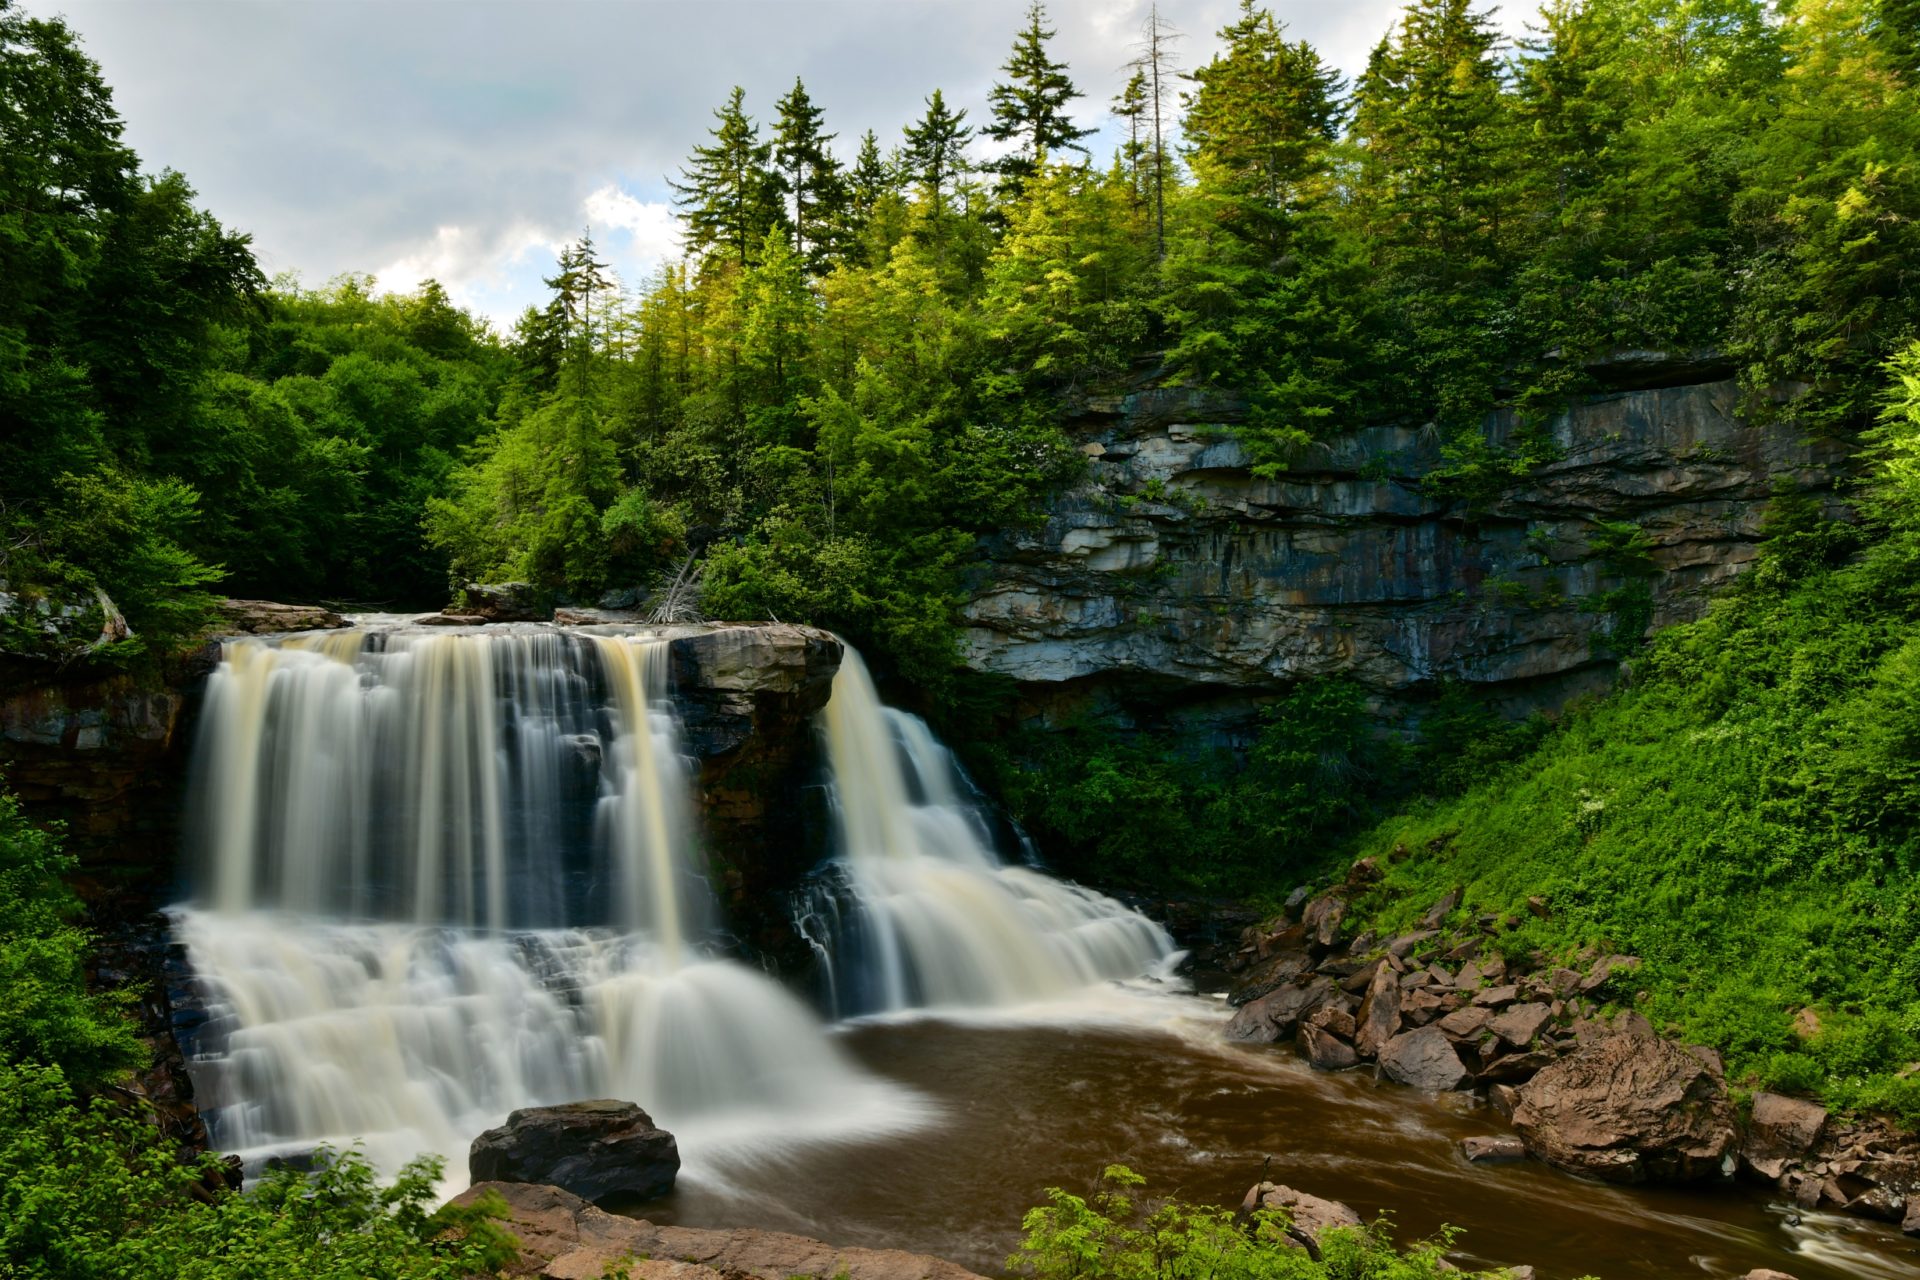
x=383 y=137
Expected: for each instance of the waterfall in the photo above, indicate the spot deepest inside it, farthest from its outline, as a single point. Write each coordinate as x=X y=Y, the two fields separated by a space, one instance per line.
x=441 y=875
x=920 y=912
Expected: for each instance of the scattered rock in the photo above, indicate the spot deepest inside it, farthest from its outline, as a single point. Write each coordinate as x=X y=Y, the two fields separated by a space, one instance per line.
x=1276 y=1015
x=1537 y=907
x=1911 y=1222
x=1323 y=917
x=1514 y=1068
x=1806 y=1024
x=1379 y=1017
x=1325 y=1051
x=1781 y=1130
x=1603 y=972
x=1504 y=1147
x=1496 y=997
x=1521 y=1024
x=1363 y=873
x=1503 y=1098
x=1404 y=945
x=598 y=1150
x=1466 y=1024
x=265 y=618
x=1629 y=1108
x=448 y=620
x=1439 y=911
x=1308 y=1217
x=563 y=1237
x=1424 y=1059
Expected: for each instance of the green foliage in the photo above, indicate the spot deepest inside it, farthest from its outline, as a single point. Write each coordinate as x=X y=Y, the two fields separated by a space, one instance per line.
x=1112 y=1235
x=47 y=1016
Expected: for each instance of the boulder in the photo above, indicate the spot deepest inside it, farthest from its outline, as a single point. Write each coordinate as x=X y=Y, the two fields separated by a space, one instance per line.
x=563 y=1237
x=1512 y=1068
x=597 y=1150
x=1379 y=1017
x=1766 y=1273
x=1781 y=1130
x=265 y=618
x=1520 y=1024
x=1424 y=1059
x=1323 y=917
x=1482 y=1150
x=1628 y=1108
x=501 y=602
x=1496 y=997
x=1276 y=1015
x=1466 y=1024
x=1325 y=1051
x=1308 y=1217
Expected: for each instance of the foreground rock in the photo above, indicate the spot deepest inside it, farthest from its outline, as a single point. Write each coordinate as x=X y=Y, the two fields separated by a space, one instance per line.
x=1308 y=1217
x=1629 y=1108
x=600 y=1150
x=266 y=618
x=563 y=1237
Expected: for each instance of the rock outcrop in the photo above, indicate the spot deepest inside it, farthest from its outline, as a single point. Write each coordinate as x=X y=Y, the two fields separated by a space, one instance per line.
x=266 y=618
x=1629 y=1108
x=1172 y=569
x=599 y=1150
x=1307 y=1217
x=563 y=1237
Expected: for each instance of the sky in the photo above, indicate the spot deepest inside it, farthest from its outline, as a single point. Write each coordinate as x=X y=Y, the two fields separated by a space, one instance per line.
x=467 y=140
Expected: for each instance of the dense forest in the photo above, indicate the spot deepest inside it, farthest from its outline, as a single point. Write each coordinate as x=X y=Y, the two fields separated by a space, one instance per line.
x=856 y=369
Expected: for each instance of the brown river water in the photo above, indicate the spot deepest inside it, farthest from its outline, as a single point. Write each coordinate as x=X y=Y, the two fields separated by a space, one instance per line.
x=1021 y=1107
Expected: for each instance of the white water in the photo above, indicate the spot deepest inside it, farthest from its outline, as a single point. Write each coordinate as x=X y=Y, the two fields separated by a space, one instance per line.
x=450 y=874
x=937 y=920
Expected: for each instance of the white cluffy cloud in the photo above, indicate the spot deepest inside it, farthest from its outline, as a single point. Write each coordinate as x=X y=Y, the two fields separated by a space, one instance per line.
x=653 y=232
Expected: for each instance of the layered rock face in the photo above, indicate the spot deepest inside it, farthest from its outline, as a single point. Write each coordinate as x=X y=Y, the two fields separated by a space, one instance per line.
x=1173 y=567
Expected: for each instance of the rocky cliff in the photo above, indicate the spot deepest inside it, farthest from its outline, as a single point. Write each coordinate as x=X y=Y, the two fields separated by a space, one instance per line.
x=1173 y=572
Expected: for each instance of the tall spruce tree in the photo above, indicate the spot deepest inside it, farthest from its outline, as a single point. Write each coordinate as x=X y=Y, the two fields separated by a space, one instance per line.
x=936 y=150
x=729 y=194
x=1156 y=68
x=1262 y=112
x=1130 y=105
x=1029 y=108
x=810 y=174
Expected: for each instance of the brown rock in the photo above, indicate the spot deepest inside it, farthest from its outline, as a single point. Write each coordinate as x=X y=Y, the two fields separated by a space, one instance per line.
x=1766 y=1273
x=1364 y=872
x=562 y=1237
x=1911 y=1222
x=1806 y=1024
x=1325 y=1051
x=265 y=618
x=1323 y=918
x=1466 y=1023
x=1504 y=1147
x=1503 y=1098
x=1605 y=970
x=1379 y=1017
x=1629 y=1108
x=1308 y=1217
x=1424 y=1059
x=598 y=1150
x=1512 y=1068
x=1332 y=1019
x=1781 y=1130
x=1405 y=945
x=1537 y=906
x=1423 y=1004
x=1521 y=1024
x=1496 y=997
x=1276 y=1015
x=1439 y=911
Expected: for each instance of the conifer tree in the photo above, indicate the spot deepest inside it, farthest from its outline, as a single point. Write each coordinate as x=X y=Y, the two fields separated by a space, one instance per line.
x=1263 y=112
x=729 y=194
x=1029 y=109
x=1130 y=104
x=936 y=149
x=810 y=174
x=1155 y=66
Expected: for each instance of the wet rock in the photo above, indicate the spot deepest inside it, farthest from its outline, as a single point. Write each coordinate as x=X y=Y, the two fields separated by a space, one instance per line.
x=265 y=618
x=1910 y=1222
x=1379 y=1017
x=563 y=1237
x=1324 y=1051
x=1276 y=1015
x=502 y=602
x=1780 y=1131
x=1489 y=1149
x=1424 y=1059
x=1503 y=1098
x=1323 y=917
x=1521 y=1024
x=1308 y=1217
x=448 y=620
x=597 y=1150
x=1766 y=1273
x=1629 y=1108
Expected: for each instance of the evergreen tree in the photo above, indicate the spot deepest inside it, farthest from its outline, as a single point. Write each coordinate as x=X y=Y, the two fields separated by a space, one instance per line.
x=936 y=150
x=811 y=175
x=1130 y=104
x=1029 y=108
x=1156 y=69
x=729 y=194
x=1263 y=112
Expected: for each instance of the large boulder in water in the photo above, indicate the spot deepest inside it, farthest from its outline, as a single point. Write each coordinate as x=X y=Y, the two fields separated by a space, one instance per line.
x=1629 y=1108
x=600 y=1150
x=1308 y=1217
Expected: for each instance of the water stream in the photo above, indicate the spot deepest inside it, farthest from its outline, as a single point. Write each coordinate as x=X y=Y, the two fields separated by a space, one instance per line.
x=438 y=875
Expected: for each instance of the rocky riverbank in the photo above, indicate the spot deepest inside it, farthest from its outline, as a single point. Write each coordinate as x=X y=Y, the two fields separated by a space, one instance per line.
x=1558 y=1050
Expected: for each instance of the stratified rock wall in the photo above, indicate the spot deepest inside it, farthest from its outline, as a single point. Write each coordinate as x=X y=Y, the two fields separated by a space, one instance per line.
x=1173 y=568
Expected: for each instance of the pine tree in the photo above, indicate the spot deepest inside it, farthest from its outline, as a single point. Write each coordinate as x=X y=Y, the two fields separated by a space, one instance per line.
x=810 y=174
x=1263 y=113
x=1030 y=108
x=1130 y=104
x=1155 y=65
x=936 y=149
x=730 y=196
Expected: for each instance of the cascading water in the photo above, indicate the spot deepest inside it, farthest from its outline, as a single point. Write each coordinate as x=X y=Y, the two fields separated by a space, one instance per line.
x=921 y=912
x=446 y=874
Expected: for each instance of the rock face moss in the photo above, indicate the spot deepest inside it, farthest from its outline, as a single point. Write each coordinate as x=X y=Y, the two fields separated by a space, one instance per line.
x=1173 y=565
